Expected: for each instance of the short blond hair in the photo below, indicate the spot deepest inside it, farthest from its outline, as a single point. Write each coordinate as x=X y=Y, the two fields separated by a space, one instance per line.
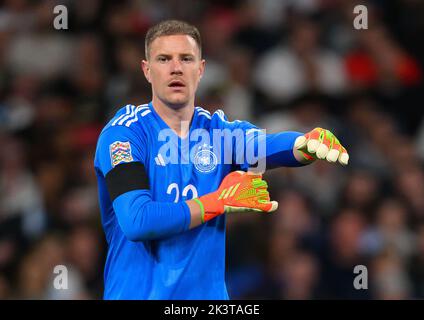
x=169 y=28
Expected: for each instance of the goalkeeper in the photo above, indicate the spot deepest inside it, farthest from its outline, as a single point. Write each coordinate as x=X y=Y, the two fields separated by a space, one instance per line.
x=164 y=220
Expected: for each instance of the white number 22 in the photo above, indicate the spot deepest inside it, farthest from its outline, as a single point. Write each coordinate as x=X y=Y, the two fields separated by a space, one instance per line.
x=184 y=194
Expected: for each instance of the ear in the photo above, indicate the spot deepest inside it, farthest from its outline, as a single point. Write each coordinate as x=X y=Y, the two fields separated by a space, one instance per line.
x=202 y=68
x=146 y=69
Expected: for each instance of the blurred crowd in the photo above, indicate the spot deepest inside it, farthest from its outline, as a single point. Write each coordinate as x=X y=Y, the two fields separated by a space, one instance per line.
x=283 y=65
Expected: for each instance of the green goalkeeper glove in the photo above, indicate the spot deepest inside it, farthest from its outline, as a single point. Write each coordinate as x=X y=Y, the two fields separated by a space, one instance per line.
x=321 y=144
x=239 y=192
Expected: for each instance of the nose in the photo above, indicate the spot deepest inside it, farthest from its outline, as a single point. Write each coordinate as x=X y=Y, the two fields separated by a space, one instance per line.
x=176 y=67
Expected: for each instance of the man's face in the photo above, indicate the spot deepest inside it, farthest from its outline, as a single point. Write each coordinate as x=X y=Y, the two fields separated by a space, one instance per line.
x=174 y=69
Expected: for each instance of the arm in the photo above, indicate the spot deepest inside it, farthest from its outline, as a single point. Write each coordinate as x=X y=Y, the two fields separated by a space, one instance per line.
x=140 y=218
x=294 y=149
x=258 y=151
x=280 y=151
x=121 y=161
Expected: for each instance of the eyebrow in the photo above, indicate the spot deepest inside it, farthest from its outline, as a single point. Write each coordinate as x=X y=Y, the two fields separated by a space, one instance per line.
x=169 y=55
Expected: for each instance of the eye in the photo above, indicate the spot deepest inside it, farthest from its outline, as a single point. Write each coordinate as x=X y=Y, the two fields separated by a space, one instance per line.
x=162 y=59
x=188 y=59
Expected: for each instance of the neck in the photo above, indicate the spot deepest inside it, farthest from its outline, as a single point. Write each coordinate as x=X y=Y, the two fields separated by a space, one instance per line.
x=175 y=116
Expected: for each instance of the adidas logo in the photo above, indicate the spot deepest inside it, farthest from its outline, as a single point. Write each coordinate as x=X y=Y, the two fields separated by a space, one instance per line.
x=229 y=193
x=160 y=161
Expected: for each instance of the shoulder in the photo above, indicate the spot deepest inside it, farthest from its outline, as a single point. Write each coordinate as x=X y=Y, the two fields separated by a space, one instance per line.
x=129 y=116
x=127 y=125
x=217 y=116
x=130 y=119
x=203 y=113
x=208 y=120
x=219 y=120
x=123 y=139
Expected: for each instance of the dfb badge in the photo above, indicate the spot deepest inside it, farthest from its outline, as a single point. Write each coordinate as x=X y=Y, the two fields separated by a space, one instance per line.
x=205 y=160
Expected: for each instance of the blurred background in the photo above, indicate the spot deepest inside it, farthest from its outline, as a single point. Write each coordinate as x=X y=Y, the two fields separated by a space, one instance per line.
x=283 y=65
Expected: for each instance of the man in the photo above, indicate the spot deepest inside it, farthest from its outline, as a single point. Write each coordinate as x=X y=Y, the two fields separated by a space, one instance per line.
x=167 y=173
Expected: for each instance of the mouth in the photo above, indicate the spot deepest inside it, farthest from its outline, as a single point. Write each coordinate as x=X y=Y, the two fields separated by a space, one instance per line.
x=176 y=84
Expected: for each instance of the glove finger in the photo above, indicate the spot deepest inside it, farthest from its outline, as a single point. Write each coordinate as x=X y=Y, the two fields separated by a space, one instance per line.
x=263 y=195
x=313 y=145
x=260 y=192
x=328 y=141
x=344 y=157
x=314 y=139
x=300 y=142
x=335 y=149
x=322 y=151
x=229 y=209
x=333 y=155
x=267 y=206
x=259 y=183
x=271 y=206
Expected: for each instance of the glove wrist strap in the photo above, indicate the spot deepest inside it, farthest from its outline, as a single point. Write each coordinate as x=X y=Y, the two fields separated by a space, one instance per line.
x=202 y=209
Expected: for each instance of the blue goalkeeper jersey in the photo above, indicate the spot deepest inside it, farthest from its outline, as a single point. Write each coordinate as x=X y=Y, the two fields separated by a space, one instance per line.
x=145 y=173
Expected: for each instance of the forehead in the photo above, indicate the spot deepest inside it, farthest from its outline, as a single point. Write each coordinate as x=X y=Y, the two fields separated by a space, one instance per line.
x=174 y=44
